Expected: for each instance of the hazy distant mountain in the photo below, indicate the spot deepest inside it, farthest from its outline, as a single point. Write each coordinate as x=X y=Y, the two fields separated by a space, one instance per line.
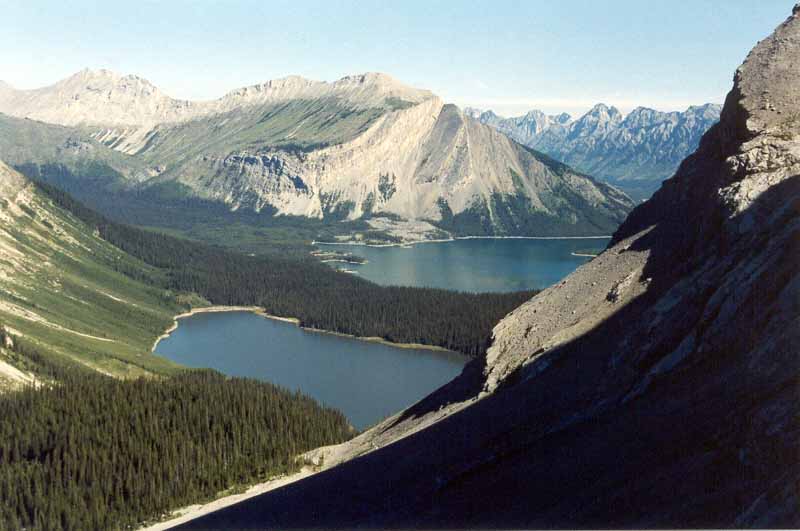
x=640 y=149
x=362 y=147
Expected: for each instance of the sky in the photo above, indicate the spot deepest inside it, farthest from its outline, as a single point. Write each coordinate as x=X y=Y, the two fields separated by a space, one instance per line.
x=509 y=56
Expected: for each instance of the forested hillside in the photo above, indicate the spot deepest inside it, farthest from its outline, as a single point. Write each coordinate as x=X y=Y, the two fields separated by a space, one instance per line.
x=86 y=451
x=318 y=296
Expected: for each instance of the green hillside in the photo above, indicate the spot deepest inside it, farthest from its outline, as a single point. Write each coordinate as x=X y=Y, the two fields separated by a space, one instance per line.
x=71 y=294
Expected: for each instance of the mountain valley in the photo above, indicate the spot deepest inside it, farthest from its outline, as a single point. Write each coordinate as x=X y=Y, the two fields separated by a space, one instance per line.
x=351 y=304
x=666 y=398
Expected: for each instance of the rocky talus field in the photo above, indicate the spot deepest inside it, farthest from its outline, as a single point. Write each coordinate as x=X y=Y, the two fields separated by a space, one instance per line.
x=656 y=386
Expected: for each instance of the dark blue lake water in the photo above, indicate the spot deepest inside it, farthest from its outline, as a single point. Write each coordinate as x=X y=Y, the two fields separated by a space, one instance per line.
x=366 y=381
x=369 y=381
x=474 y=264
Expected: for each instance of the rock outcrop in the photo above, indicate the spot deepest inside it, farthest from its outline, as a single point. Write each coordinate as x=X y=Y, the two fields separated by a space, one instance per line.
x=657 y=386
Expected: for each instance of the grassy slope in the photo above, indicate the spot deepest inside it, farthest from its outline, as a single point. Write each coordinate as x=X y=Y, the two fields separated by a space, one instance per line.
x=61 y=290
x=300 y=125
x=30 y=141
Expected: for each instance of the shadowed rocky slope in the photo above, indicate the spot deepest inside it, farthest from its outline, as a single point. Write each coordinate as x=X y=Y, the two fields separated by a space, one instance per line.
x=657 y=386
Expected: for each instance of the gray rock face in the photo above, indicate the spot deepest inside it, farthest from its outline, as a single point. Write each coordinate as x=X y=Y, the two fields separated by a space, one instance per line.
x=645 y=145
x=657 y=386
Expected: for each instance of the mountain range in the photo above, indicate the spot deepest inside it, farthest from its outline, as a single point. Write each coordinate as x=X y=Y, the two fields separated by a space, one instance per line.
x=654 y=387
x=364 y=148
x=635 y=152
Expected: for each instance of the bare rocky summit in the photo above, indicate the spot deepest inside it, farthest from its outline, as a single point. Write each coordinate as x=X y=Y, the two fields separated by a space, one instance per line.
x=105 y=98
x=656 y=386
x=364 y=146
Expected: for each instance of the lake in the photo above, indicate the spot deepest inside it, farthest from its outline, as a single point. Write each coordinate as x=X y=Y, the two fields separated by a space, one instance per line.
x=366 y=381
x=370 y=381
x=472 y=264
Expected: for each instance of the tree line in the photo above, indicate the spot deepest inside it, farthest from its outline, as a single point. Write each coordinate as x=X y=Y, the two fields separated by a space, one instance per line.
x=305 y=288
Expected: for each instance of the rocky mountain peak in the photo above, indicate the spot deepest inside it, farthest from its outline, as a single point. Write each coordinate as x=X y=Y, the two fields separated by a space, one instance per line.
x=642 y=115
x=371 y=78
x=102 y=79
x=600 y=119
x=275 y=87
x=765 y=94
x=535 y=114
x=604 y=112
x=472 y=112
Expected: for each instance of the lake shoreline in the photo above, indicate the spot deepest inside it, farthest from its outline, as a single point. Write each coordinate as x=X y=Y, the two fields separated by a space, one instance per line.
x=295 y=321
x=457 y=238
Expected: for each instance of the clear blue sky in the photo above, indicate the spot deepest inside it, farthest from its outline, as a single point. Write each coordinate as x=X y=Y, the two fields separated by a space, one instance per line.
x=508 y=55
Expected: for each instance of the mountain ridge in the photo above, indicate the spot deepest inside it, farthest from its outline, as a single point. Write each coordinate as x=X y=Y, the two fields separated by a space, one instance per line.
x=62 y=102
x=360 y=148
x=637 y=150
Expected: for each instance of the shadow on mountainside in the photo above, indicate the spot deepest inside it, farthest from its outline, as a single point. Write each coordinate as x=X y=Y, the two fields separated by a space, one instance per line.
x=605 y=436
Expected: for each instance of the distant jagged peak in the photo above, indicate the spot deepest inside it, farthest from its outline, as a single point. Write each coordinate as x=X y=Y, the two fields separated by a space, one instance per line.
x=645 y=116
x=473 y=112
x=605 y=112
x=535 y=113
x=713 y=108
x=112 y=82
x=377 y=79
x=102 y=74
x=487 y=116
